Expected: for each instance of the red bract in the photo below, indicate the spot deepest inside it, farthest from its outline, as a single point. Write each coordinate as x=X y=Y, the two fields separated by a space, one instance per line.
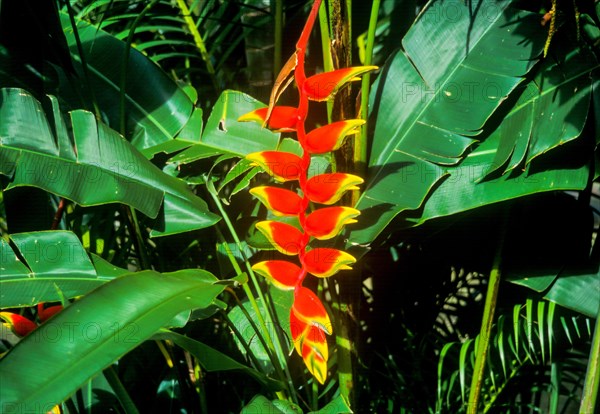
x=282 y=166
x=309 y=320
x=325 y=262
x=283 y=274
x=330 y=137
x=281 y=119
x=323 y=86
x=284 y=237
x=329 y=188
x=326 y=223
x=280 y=201
x=20 y=325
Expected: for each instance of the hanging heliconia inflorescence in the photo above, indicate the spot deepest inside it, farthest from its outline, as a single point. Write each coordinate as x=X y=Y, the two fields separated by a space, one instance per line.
x=309 y=320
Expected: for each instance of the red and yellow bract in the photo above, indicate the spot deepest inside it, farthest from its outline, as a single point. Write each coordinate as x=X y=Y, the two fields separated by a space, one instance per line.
x=309 y=320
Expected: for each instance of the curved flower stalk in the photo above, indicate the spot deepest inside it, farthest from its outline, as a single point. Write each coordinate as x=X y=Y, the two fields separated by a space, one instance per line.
x=309 y=320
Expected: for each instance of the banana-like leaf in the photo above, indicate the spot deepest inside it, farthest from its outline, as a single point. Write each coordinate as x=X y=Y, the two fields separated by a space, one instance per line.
x=223 y=133
x=97 y=167
x=260 y=404
x=513 y=162
x=156 y=108
x=77 y=343
x=431 y=101
x=55 y=263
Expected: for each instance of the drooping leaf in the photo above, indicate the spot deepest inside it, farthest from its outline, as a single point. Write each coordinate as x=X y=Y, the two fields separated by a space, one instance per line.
x=54 y=261
x=156 y=108
x=224 y=134
x=105 y=324
x=99 y=167
x=282 y=300
x=431 y=101
x=260 y=404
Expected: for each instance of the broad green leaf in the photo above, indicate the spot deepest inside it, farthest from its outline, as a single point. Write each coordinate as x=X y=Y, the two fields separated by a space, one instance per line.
x=579 y=292
x=336 y=406
x=432 y=100
x=464 y=189
x=550 y=112
x=213 y=360
x=76 y=344
x=223 y=134
x=54 y=262
x=99 y=167
x=261 y=404
x=155 y=107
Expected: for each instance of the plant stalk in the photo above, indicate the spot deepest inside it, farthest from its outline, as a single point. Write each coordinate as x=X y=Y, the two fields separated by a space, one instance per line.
x=278 y=351
x=360 y=142
x=277 y=6
x=200 y=45
x=486 y=327
x=326 y=50
x=589 y=397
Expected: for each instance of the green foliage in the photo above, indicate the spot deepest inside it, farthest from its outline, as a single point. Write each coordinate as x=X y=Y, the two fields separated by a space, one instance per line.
x=529 y=349
x=105 y=325
x=118 y=124
x=55 y=266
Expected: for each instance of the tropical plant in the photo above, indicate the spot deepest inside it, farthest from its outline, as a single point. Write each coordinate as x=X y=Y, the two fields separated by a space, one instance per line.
x=135 y=217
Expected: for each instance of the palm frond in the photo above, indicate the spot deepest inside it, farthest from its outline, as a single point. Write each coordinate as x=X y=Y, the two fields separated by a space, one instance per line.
x=530 y=349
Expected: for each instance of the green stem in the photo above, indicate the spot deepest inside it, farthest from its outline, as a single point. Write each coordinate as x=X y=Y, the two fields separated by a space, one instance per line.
x=123 y=80
x=200 y=45
x=486 y=327
x=277 y=351
x=240 y=338
x=360 y=143
x=138 y=240
x=326 y=50
x=589 y=397
x=82 y=57
x=120 y=392
x=278 y=6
